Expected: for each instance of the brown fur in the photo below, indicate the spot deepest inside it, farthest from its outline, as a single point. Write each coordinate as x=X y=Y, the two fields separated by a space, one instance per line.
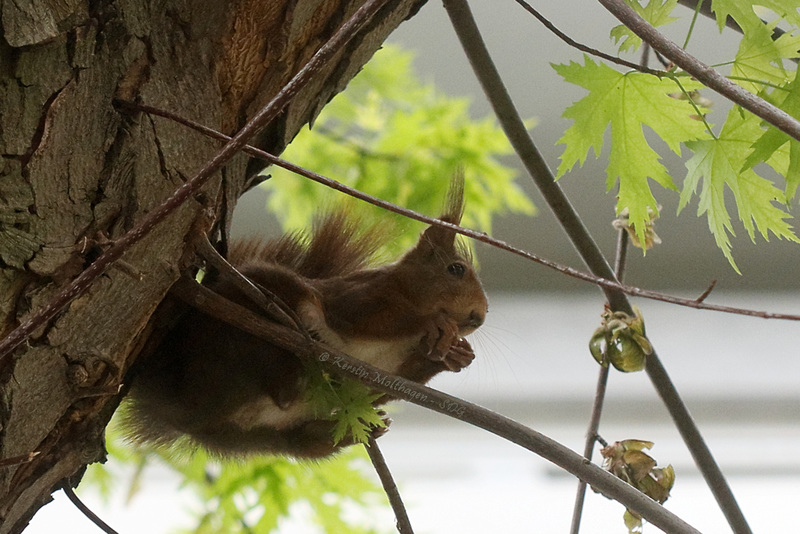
x=234 y=393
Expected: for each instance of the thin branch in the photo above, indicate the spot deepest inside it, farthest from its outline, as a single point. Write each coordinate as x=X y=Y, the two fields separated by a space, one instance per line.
x=704 y=295
x=389 y=486
x=582 y=47
x=702 y=72
x=275 y=308
x=360 y=149
x=102 y=525
x=82 y=283
x=599 y=395
x=611 y=284
x=342 y=364
x=697 y=446
x=588 y=448
x=17 y=460
x=511 y=122
x=621 y=259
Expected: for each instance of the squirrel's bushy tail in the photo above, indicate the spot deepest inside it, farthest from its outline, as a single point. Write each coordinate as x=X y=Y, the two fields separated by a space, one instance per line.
x=339 y=244
x=336 y=246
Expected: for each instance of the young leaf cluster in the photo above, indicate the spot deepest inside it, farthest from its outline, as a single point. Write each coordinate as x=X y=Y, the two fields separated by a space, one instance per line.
x=253 y=495
x=392 y=136
x=346 y=401
x=722 y=169
x=256 y=495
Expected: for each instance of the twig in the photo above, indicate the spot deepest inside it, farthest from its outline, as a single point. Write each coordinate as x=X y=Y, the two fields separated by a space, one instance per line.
x=582 y=47
x=611 y=284
x=599 y=396
x=620 y=264
x=389 y=486
x=621 y=259
x=702 y=72
x=82 y=283
x=512 y=124
x=588 y=448
x=17 y=460
x=704 y=295
x=342 y=364
x=275 y=308
x=102 y=525
x=361 y=150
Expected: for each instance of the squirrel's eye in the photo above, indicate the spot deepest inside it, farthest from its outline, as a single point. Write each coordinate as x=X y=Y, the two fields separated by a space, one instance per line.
x=457 y=269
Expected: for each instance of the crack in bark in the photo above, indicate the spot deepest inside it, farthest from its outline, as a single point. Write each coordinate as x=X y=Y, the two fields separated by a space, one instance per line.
x=38 y=134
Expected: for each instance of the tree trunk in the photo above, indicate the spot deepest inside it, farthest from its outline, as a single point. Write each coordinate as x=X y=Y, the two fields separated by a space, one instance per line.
x=75 y=172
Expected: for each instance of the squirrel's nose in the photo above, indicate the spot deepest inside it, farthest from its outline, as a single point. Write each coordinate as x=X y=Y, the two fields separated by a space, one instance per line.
x=476 y=318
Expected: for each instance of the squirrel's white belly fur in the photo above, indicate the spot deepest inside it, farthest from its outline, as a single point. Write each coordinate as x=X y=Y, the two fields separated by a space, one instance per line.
x=385 y=354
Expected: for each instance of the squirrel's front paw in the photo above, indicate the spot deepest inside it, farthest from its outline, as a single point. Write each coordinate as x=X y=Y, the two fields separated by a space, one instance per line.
x=441 y=336
x=459 y=356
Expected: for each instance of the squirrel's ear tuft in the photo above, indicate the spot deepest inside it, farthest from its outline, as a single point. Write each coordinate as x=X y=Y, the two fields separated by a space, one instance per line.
x=442 y=238
x=436 y=237
x=454 y=205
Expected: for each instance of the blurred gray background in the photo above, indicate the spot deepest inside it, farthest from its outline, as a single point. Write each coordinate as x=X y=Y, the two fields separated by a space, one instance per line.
x=523 y=51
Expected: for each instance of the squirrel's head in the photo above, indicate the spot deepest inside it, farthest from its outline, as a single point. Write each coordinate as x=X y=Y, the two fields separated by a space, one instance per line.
x=440 y=270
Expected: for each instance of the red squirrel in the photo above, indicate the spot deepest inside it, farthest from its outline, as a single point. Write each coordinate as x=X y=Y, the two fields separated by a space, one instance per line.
x=234 y=394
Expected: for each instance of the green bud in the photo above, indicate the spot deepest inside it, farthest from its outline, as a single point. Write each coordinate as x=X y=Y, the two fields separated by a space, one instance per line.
x=621 y=341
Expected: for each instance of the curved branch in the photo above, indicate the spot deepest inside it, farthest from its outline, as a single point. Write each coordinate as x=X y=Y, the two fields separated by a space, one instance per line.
x=702 y=72
x=342 y=364
x=85 y=510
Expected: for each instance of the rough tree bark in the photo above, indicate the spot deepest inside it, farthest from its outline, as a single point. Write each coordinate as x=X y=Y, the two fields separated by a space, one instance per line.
x=75 y=171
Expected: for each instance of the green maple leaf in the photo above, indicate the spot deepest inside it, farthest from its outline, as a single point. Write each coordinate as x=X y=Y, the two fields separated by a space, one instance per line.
x=773 y=139
x=657 y=13
x=346 y=401
x=759 y=58
x=720 y=164
x=627 y=103
x=742 y=12
x=357 y=416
